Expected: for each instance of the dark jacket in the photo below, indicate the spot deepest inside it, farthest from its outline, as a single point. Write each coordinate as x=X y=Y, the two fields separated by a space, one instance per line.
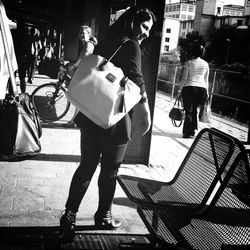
x=128 y=59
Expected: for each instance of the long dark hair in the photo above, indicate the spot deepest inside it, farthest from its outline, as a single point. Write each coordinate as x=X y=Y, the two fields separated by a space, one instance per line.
x=123 y=25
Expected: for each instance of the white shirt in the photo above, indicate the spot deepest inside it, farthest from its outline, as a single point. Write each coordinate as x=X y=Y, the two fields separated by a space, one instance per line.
x=196 y=73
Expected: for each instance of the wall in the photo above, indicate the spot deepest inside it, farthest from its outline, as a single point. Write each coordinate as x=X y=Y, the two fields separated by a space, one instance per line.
x=247 y=7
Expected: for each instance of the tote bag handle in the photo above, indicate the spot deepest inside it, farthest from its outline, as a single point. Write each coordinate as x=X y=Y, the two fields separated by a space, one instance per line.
x=6 y=49
x=103 y=65
x=178 y=102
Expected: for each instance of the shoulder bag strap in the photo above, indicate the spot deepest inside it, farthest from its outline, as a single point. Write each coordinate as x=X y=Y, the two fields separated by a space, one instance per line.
x=6 y=48
x=103 y=65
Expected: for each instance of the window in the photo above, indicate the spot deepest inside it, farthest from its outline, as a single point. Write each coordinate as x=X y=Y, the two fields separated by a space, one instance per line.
x=183 y=17
x=178 y=7
x=184 y=25
x=166 y=48
x=167 y=39
x=184 y=7
x=239 y=22
x=191 y=8
x=218 y=10
x=168 y=30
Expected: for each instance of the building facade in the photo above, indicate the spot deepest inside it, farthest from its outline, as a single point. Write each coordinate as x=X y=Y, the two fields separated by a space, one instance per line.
x=182 y=10
x=178 y=21
x=232 y=10
x=170 y=35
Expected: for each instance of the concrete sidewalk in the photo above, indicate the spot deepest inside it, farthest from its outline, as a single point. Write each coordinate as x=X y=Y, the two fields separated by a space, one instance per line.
x=33 y=192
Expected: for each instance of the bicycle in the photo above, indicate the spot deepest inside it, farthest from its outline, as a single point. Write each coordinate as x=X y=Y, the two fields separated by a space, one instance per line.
x=50 y=99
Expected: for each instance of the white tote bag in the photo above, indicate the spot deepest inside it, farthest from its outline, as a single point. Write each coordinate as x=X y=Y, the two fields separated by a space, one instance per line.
x=205 y=113
x=103 y=95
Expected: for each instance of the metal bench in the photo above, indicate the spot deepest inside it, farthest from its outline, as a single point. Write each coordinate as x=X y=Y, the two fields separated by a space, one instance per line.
x=225 y=226
x=196 y=179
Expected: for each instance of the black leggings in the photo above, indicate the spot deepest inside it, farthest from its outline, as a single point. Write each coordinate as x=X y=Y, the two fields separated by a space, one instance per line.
x=96 y=143
x=192 y=98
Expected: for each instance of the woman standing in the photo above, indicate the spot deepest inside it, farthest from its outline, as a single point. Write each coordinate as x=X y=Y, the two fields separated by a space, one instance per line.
x=109 y=145
x=194 y=89
x=86 y=47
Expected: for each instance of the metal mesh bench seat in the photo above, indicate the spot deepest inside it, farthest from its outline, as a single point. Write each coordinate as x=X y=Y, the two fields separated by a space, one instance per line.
x=226 y=226
x=196 y=178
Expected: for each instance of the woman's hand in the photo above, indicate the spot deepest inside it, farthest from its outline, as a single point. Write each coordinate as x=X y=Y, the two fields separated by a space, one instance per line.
x=71 y=67
x=145 y=122
x=178 y=94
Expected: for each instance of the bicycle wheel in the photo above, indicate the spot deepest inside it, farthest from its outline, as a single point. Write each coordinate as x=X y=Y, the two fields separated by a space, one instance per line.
x=48 y=109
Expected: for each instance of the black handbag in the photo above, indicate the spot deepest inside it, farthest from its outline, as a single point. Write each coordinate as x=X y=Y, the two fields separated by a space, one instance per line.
x=20 y=127
x=177 y=113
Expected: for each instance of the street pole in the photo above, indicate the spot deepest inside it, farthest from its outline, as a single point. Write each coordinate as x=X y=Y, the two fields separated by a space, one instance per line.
x=228 y=45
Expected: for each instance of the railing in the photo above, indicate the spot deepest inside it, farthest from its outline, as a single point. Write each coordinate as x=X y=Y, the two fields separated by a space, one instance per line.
x=222 y=83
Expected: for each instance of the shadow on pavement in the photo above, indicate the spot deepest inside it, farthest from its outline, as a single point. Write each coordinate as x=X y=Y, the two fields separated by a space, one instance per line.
x=57 y=125
x=47 y=238
x=57 y=157
x=29 y=238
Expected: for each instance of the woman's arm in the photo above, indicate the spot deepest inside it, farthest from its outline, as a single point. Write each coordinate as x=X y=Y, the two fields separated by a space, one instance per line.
x=130 y=62
x=145 y=122
x=88 y=49
x=183 y=79
x=206 y=79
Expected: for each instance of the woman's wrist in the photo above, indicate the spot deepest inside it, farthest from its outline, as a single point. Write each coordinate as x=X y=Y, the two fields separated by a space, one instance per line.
x=144 y=98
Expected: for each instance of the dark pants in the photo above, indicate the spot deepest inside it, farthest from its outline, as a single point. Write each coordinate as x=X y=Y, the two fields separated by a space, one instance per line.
x=22 y=69
x=31 y=61
x=192 y=98
x=96 y=143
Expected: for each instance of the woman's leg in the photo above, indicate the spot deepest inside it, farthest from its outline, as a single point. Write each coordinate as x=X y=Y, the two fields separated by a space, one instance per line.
x=192 y=98
x=190 y=123
x=90 y=153
x=111 y=160
x=112 y=157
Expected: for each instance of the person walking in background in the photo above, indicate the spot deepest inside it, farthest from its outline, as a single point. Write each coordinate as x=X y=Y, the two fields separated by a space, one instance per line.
x=34 y=46
x=87 y=43
x=193 y=89
x=20 y=36
x=108 y=146
x=49 y=51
